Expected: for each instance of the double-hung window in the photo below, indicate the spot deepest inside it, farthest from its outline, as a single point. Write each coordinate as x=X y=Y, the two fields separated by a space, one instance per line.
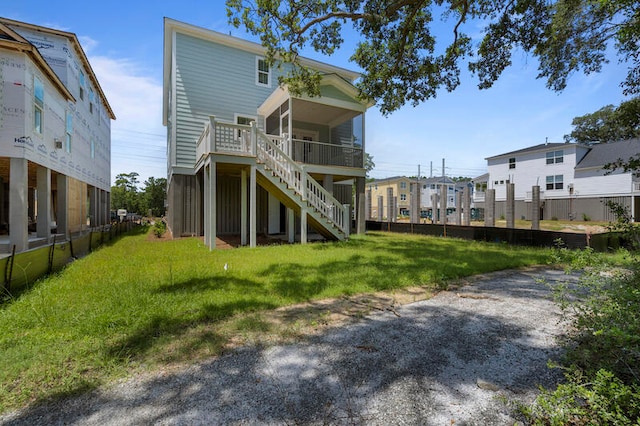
x=92 y=100
x=512 y=163
x=82 y=82
x=38 y=105
x=263 y=72
x=555 y=182
x=555 y=157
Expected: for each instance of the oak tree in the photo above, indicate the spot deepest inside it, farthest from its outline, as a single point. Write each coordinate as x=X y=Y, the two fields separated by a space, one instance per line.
x=608 y=124
x=406 y=57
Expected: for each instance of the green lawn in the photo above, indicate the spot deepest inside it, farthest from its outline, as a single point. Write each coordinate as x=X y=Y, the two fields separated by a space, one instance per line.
x=139 y=303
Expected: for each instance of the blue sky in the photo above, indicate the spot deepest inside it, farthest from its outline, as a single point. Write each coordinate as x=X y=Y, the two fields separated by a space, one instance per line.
x=123 y=41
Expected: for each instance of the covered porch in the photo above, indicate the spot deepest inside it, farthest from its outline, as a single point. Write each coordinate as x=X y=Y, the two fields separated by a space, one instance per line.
x=327 y=130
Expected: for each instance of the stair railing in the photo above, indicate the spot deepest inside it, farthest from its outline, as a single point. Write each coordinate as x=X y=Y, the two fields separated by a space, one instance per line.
x=294 y=175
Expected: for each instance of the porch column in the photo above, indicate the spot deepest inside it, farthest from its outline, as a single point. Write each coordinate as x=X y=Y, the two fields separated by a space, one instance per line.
x=490 y=208
x=466 y=195
x=303 y=225
x=93 y=206
x=18 y=204
x=511 y=206
x=361 y=223
x=459 y=208
x=62 y=213
x=43 y=227
x=210 y=205
x=535 y=207
x=390 y=213
x=327 y=183
x=253 y=196
x=291 y=226
x=243 y=207
x=443 y=204
x=434 y=207
x=380 y=208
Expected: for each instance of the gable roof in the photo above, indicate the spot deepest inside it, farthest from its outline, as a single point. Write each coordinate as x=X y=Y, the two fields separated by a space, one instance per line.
x=11 y=40
x=536 y=148
x=25 y=46
x=605 y=153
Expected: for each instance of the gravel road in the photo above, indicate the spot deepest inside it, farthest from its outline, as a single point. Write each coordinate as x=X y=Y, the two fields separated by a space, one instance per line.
x=452 y=359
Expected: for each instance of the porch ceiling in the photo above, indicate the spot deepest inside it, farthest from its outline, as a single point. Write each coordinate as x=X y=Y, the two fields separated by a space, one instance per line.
x=317 y=113
x=5 y=163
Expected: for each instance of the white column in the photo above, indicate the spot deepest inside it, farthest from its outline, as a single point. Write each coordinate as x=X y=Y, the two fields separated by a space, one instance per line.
x=243 y=207
x=18 y=204
x=253 y=196
x=44 y=202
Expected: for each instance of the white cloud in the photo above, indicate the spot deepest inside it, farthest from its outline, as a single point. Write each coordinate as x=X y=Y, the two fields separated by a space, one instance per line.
x=138 y=142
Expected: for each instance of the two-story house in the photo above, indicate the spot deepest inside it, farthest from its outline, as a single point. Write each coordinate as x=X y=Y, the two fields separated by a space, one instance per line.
x=247 y=156
x=573 y=183
x=55 y=129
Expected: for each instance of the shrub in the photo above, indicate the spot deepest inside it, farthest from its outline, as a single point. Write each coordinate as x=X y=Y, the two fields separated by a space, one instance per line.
x=602 y=365
x=159 y=228
x=585 y=217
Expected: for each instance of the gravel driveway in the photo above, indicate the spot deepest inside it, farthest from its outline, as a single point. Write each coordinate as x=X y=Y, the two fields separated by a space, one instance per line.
x=452 y=359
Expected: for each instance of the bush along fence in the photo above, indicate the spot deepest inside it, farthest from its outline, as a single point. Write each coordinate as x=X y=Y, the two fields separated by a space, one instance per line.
x=19 y=270
x=524 y=237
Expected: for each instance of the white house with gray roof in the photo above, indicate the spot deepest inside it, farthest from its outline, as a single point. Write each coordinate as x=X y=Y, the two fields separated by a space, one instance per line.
x=245 y=155
x=572 y=180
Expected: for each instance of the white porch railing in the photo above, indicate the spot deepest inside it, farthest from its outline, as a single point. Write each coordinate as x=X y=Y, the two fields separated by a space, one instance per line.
x=269 y=153
x=239 y=139
x=312 y=152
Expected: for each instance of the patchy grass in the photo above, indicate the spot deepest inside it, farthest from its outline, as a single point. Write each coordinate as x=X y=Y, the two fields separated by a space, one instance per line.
x=141 y=303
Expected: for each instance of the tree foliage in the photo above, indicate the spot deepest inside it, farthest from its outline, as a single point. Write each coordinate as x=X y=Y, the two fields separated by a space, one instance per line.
x=154 y=196
x=608 y=124
x=404 y=62
x=125 y=194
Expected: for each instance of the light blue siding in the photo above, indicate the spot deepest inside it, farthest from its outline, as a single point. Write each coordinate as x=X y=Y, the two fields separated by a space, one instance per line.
x=212 y=79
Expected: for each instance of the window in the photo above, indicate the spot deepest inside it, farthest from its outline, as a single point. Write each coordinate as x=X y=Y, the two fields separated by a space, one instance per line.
x=554 y=157
x=512 y=163
x=555 y=182
x=433 y=186
x=263 y=73
x=403 y=185
x=69 y=131
x=403 y=197
x=82 y=84
x=92 y=99
x=38 y=104
x=93 y=149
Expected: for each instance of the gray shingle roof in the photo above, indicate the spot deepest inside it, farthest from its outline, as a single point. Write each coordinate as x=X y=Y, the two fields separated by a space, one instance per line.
x=542 y=146
x=605 y=153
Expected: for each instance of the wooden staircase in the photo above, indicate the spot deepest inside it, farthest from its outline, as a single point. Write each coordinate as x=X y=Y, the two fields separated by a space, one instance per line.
x=297 y=190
